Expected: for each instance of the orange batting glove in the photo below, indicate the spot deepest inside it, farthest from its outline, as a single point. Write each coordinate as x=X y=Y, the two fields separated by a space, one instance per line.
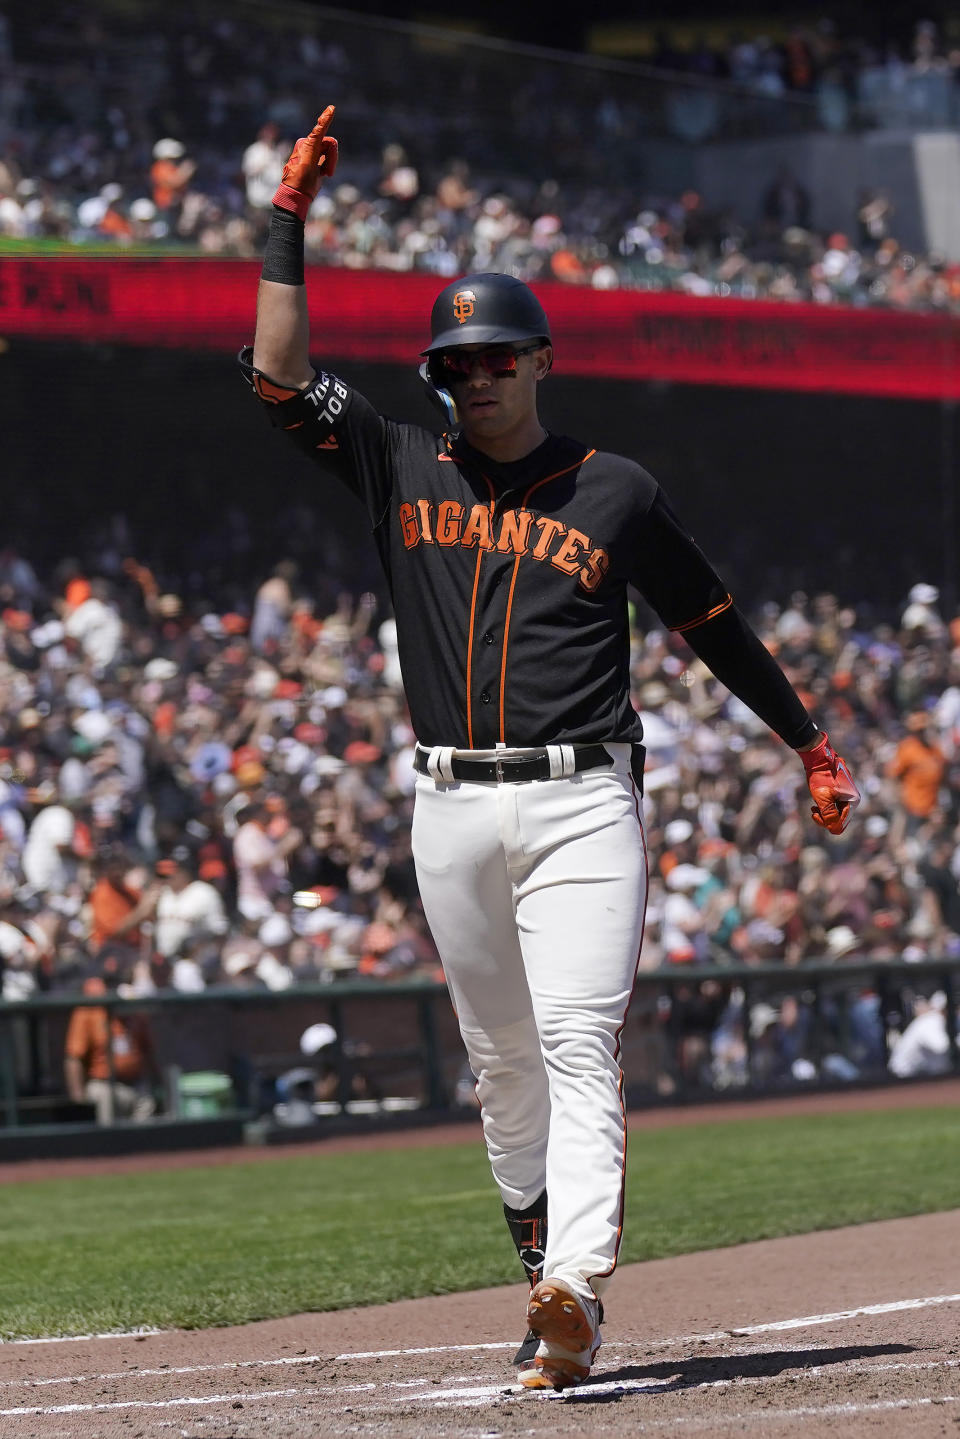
x=312 y=160
x=835 y=796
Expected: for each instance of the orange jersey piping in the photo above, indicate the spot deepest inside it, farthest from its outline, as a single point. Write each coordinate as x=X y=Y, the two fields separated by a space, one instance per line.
x=556 y=475
x=702 y=619
x=503 y=651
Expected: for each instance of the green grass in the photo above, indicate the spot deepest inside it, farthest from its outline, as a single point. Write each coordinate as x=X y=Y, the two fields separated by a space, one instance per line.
x=46 y=247
x=198 y=1247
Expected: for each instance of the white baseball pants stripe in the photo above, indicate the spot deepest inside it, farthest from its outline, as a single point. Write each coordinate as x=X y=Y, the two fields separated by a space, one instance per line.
x=535 y=894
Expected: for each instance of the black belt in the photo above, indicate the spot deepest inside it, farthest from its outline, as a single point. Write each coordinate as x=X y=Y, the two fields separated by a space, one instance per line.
x=519 y=768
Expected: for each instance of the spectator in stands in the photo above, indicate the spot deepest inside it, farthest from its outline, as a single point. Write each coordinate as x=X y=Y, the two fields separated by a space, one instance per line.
x=262 y=163
x=455 y=196
x=921 y=618
x=19 y=585
x=170 y=176
x=93 y=623
x=919 y=765
x=188 y=911
x=272 y=606
x=399 y=183
x=874 y=213
x=938 y=872
x=18 y=962
x=49 y=855
x=786 y=203
x=273 y=967
x=116 y=907
x=799 y=66
x=260 y=851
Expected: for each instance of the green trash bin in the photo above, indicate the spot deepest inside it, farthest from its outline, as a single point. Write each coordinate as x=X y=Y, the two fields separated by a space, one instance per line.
x=205 y=1094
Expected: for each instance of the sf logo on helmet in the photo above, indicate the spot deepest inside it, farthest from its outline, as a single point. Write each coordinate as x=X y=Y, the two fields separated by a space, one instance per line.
x=463 y=302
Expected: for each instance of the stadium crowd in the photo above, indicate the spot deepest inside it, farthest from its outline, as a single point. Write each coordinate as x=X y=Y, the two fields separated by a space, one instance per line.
x=175 y=136
x=171 y=771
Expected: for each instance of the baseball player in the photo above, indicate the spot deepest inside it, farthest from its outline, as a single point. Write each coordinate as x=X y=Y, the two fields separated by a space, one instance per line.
x=508 y=552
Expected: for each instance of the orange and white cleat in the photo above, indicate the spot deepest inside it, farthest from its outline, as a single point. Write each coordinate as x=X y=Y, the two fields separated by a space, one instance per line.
x=568 y=1328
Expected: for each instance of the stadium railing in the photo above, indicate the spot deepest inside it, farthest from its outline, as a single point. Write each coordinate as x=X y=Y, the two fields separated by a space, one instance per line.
x=236 y=1053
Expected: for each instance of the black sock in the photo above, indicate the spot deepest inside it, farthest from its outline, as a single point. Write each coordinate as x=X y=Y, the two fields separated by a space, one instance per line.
x=528 y=1230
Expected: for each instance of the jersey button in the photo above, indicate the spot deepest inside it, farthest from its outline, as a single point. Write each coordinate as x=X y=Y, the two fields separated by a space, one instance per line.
x=488 y=637
x=485 y=698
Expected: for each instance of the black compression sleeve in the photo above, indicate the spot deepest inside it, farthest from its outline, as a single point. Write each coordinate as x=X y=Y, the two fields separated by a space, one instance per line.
x=736 y=655
x=671 y=571
x=283 y=257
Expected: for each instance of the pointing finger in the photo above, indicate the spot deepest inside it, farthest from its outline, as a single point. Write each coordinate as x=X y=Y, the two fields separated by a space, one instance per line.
x=323 y=121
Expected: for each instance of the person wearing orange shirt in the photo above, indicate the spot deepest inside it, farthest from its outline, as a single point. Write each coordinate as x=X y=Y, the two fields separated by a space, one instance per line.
x=109 y=1059
x=115 y=909
x=919 y=764
x=170 y=174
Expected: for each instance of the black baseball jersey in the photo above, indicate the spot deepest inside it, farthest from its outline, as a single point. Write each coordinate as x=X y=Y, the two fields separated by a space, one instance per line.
x=509 y=581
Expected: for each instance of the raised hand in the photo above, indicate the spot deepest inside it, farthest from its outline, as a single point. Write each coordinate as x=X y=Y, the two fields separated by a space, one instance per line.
x=312 y=160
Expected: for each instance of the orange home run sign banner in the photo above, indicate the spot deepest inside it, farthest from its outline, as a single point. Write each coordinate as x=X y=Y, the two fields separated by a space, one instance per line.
x=381 y=317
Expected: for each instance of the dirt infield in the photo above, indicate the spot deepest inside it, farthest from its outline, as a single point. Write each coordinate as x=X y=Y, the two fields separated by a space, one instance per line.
x=844 y=1333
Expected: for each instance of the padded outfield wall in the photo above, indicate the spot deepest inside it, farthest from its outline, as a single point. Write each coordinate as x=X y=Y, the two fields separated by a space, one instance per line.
x=804 y=445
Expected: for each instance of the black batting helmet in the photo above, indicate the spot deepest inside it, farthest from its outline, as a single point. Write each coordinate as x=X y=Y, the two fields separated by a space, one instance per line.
x=486 y=309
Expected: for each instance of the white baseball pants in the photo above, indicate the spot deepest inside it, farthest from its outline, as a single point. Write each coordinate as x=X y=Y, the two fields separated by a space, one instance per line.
x=535 y=894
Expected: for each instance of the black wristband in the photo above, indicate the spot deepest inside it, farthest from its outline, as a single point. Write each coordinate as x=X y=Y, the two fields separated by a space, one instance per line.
x=283 y=257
